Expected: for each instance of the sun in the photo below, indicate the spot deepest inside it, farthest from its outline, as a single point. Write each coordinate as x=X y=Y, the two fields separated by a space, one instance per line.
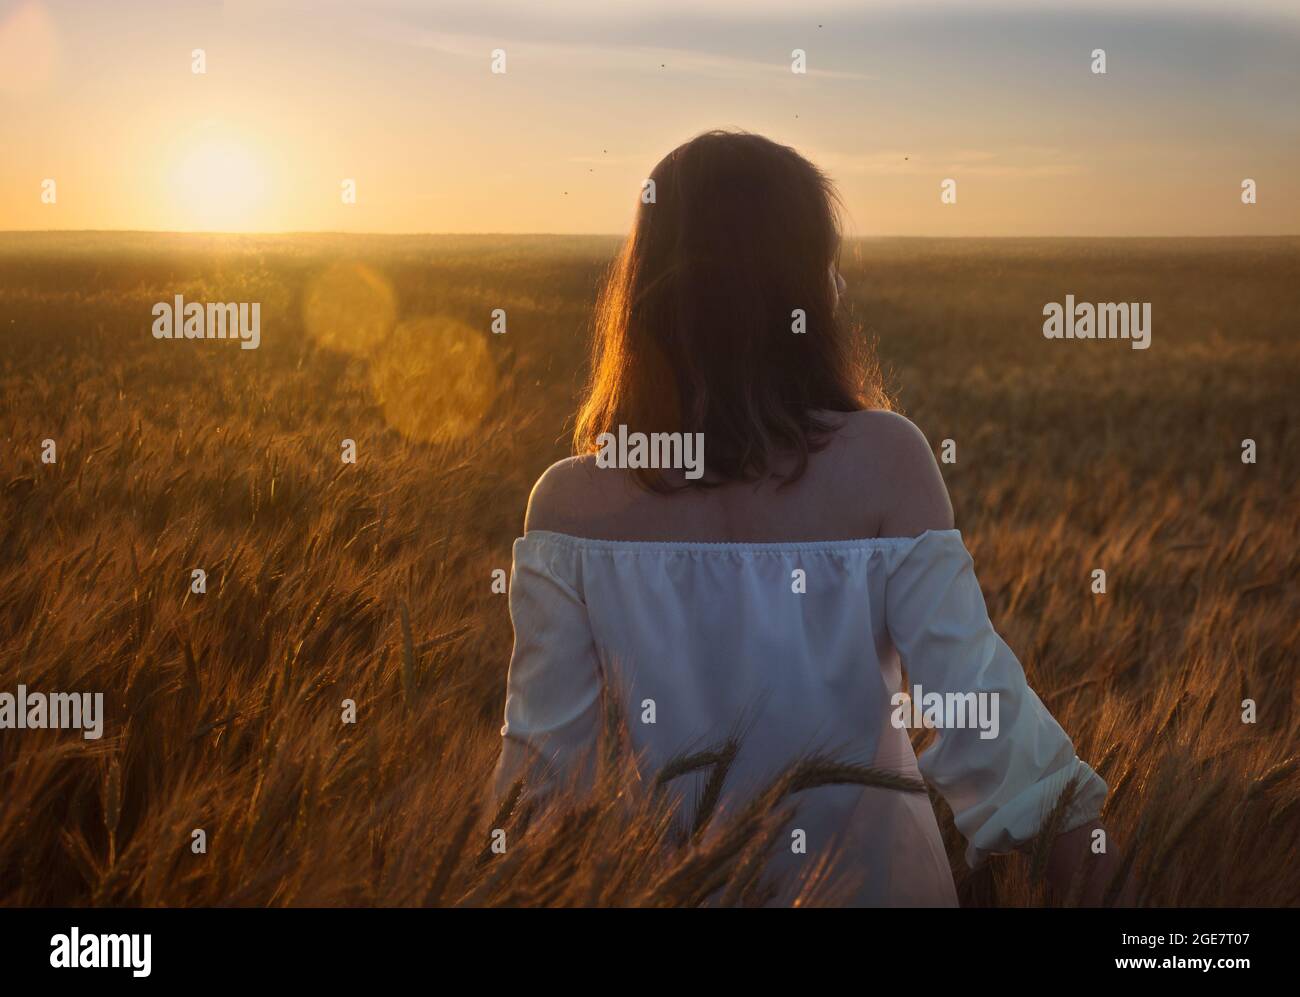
x=218 y=183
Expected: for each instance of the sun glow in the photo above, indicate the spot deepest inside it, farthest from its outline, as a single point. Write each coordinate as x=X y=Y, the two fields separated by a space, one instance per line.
x=218 y=184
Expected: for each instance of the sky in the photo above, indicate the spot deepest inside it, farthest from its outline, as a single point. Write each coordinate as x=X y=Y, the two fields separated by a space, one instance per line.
x=399 y=97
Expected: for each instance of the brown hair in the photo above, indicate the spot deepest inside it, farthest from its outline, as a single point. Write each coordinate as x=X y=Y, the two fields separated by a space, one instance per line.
x=693 y=329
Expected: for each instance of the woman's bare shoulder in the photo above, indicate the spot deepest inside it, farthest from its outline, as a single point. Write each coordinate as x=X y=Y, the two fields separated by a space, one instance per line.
x=880 y=430
x=895 y=466
x=571 y=493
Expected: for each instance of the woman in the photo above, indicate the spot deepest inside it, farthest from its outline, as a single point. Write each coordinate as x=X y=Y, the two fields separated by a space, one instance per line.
x=773 y=587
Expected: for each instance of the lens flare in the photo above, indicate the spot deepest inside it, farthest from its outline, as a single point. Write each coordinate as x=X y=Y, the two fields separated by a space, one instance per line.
x=435 y=379
x=351 y=308
x=29 y=49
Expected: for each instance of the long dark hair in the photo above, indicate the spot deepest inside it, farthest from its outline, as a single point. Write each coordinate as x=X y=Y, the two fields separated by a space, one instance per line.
x=695 y=326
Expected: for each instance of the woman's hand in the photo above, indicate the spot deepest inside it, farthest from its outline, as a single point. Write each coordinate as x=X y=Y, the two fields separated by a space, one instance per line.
x=1072 y=855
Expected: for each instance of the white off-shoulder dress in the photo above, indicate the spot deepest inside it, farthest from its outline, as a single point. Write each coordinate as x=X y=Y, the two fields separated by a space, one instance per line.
x=722 y=641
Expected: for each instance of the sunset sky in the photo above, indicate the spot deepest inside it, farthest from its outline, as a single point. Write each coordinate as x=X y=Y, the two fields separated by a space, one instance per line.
x=398 y=95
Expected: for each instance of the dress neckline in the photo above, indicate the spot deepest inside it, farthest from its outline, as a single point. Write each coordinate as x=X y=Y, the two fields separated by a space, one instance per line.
x=780 y=546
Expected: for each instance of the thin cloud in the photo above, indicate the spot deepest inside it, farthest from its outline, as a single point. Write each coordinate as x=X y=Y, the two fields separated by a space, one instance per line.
x=589 y=11
x=612 y=56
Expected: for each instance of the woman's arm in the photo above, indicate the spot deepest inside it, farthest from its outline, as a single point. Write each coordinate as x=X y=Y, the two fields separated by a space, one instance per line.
x=948 y=644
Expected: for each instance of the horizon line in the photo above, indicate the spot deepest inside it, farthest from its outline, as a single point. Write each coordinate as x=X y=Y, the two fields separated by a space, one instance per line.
x=599 y=235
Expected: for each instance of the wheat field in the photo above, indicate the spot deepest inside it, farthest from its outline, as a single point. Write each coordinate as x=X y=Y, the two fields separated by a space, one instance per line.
x=372 y=581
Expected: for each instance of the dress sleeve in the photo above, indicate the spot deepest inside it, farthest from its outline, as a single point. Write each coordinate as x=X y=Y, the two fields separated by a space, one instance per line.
x=1000 y=788
x=553 y=690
